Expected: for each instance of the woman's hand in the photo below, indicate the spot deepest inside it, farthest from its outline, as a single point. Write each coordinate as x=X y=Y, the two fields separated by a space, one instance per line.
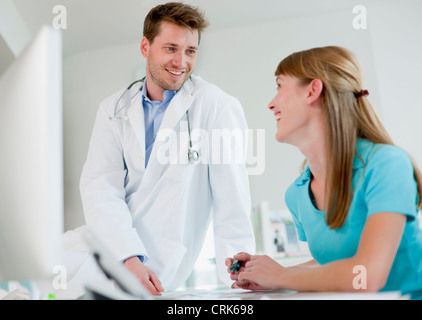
x=256 y=272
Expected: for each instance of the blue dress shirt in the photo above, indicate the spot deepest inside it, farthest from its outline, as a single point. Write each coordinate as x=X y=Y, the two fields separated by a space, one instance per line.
x=153 y=115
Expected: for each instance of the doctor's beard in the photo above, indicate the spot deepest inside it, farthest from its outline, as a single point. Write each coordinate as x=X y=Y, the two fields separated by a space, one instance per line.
x=161 y=77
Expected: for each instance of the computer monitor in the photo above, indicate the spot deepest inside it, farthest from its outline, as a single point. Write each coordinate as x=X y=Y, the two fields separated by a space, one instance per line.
x=31 y=160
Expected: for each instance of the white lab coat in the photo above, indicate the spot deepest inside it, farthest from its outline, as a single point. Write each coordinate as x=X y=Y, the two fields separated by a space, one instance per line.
x=163 y=211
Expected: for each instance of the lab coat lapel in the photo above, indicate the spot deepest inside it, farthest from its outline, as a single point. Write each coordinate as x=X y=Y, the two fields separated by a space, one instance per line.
x=173 y=115
x=135 y=116
x=176 y=110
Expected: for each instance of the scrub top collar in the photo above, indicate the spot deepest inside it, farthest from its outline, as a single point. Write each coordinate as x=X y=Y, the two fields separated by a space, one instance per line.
x=363 y=148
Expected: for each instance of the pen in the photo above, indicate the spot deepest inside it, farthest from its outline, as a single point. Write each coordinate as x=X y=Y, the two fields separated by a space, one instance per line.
x=235 y=266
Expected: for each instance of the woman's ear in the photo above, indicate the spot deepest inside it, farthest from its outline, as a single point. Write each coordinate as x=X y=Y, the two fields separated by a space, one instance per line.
x=315 y=88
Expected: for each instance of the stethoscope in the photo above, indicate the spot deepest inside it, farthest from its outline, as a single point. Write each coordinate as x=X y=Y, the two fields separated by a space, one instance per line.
x=193 y=155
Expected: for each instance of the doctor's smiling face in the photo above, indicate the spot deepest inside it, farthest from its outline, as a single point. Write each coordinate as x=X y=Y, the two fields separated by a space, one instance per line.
x=171 y=58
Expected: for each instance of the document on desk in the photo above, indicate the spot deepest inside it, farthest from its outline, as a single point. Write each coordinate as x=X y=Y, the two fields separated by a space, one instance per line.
x=240 y=294
x=226 y=294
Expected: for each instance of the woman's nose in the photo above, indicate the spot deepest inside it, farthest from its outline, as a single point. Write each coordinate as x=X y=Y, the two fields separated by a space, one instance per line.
x=271 y=105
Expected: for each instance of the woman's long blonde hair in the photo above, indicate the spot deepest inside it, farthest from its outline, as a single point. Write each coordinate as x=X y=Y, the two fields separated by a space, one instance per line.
x=348 y=117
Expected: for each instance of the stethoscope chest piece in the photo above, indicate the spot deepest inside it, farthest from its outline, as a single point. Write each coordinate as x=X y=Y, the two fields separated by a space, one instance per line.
x=193 y=156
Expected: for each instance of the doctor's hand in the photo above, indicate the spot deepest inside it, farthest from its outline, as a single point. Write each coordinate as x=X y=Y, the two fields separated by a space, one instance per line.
x=256 y=273
x=145 y=275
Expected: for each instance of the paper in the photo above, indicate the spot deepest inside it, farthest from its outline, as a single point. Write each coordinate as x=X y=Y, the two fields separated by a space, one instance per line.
x=225 y=294
x=240 y=294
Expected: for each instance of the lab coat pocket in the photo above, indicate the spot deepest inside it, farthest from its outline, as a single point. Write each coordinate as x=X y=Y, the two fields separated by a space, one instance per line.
x=173 y=185
x=178 y=172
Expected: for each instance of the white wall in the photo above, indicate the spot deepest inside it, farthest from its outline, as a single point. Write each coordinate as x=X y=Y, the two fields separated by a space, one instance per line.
x=242 y=62
x=89 y=77
x=396 y=33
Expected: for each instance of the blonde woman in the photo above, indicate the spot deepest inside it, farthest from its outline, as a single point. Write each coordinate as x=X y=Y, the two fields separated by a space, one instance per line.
x=357 y=200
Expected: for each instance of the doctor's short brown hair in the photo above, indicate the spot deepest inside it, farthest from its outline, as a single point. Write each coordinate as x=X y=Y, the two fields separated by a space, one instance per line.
x=180 y=14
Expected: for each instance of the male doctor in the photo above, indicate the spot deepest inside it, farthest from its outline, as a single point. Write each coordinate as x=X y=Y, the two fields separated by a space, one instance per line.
x=150 y=208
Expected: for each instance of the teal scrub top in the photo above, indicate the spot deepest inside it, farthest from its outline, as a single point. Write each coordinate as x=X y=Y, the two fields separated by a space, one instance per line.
x=383 y=181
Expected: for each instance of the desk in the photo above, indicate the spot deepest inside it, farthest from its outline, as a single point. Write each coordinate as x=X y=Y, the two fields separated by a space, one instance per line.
x=240 y=294
x=230 y=296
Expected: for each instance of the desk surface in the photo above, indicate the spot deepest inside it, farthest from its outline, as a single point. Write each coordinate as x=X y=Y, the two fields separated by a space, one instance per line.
x=239 y=294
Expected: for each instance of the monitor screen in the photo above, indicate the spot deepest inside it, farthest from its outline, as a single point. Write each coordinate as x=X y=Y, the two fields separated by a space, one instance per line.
x=31 y=160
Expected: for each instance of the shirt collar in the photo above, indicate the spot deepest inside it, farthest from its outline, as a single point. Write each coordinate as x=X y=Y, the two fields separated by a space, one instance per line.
x=304 y=177
x=363 y=148
x=167 y=95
